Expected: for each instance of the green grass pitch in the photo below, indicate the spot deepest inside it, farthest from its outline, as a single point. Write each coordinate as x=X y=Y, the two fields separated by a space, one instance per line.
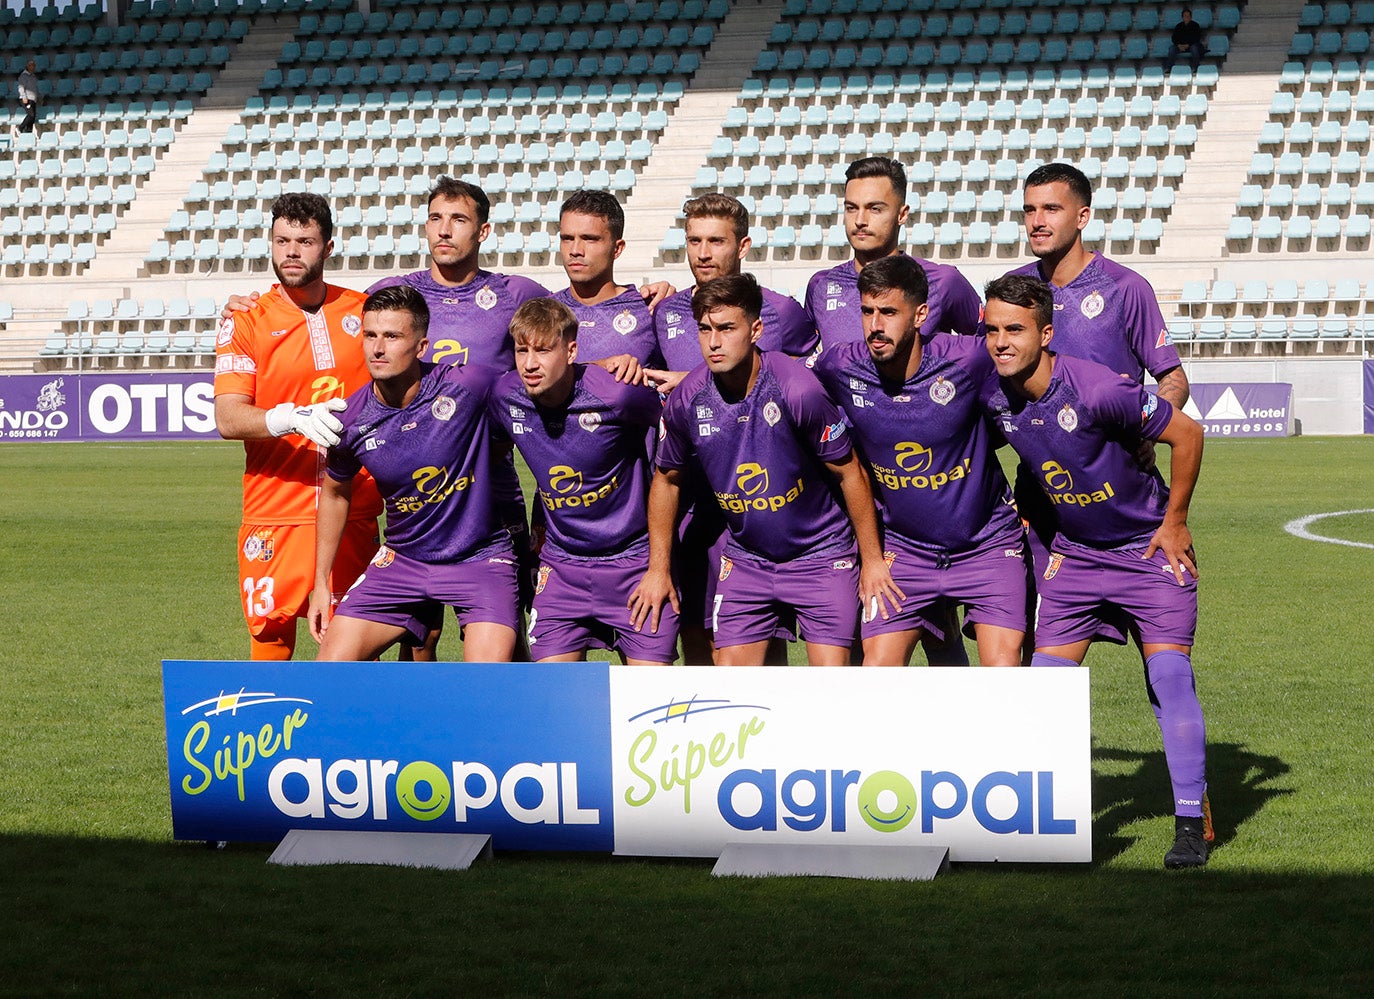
x=116 y=557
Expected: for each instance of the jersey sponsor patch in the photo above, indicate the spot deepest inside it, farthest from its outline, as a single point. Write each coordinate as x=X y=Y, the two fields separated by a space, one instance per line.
x=226 y=332
x=842 y=564
x=833 y=432
x=485 y=299
x=1148 y=410
x=1164 y=340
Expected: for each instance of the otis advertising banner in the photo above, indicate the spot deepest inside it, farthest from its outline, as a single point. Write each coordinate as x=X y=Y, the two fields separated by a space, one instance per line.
x=654 y=761
x=57 y=406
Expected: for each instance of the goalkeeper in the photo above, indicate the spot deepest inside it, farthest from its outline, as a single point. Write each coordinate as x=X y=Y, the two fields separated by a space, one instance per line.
x=282 y=371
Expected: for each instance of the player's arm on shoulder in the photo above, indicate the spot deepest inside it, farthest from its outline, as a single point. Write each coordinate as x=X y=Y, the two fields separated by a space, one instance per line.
x=655 y=293
x=656 y=588
x=877 y=589
x=625 y=367
x=238 y=303
x=1183 y=434
x=331 y=516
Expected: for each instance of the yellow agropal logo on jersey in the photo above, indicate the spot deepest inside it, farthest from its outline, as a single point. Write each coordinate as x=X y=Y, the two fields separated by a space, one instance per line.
x=751 y=479
x=913 y=471
x=1059 y=484
x=448 y=350
x=434 y=485
x=326 y=387
x=566 y=481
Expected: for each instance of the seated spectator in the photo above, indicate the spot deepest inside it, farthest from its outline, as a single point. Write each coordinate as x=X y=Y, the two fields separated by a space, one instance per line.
x=1187 y=42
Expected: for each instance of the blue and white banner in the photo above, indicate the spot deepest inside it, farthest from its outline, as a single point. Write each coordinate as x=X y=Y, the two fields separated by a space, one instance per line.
x=676 y=761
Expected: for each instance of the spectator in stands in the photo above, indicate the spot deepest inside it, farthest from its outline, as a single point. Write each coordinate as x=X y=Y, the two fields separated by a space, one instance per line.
x=28 y=97
x=1186 y=41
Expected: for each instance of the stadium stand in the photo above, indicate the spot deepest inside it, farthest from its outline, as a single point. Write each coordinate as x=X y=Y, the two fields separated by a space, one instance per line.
x=534 y=100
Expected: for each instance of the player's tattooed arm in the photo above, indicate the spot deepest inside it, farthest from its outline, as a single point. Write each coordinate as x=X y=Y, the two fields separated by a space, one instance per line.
x=1184 y=437
x=625 y=367
x=1173 y=387
x=656 y=588
x=331 y=516
x=877 y=588
x=238 y=303
x=655 y=293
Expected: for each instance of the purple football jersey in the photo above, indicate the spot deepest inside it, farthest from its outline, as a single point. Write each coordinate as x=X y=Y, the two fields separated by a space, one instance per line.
x=1109 y=314
x=832 y=301
x=431 y=461
x=786 y=329
x=927 y=442
x=588 y=459
x=620 y=325
x=1079 y=440
x=470 y=323
x=764 y=458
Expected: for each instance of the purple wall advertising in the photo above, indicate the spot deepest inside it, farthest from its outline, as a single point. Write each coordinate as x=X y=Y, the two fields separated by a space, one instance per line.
x=59 y=406
x=1369 y=397
x=1242 y=409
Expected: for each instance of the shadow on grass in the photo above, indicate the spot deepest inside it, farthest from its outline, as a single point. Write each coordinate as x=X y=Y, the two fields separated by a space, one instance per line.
x=1129 y=786
x=126 y=917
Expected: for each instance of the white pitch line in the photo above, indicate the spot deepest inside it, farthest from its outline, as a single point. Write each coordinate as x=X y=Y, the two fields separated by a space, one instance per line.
x=1298 y=528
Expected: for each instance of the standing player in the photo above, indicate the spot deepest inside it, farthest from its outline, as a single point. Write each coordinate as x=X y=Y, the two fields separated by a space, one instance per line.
x=613 y=319
x=282 y=370
x=717 y=242
x=874 y=211
x=422 y=431
x=1123 y=545
x=951 y=533
x=583 y=434
x=776 y=453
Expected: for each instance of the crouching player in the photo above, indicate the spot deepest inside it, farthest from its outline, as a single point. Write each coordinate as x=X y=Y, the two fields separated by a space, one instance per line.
x=583 y=435
x=776 y=453
x=1123 y=542
x=422 y=432
x=950 y=531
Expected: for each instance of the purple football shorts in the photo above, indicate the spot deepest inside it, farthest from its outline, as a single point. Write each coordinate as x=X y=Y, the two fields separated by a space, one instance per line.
x=581 y=604
x=754 y=597
x=990 y=582
x=1084 y=593
x=409 y=594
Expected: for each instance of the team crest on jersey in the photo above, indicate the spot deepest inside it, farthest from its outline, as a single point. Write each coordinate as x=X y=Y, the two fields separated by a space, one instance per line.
x=589 y=421
x=226 y=332
x=259 y=546
x=485 y=299
x=1092 y=306
x=889 y=558
x=384 y=557
x=625 y=323
x=942 y=392
x=725 y=566
x=542 y=579
x=443 y=408
x=352 y=325
x=1056 y=560
x=771 y=413
x=1068 y=419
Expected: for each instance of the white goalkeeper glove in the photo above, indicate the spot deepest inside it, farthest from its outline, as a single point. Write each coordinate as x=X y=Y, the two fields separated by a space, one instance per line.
x=317 y=422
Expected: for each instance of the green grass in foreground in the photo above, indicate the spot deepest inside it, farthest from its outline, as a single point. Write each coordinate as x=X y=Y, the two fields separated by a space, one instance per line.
x=117 y=557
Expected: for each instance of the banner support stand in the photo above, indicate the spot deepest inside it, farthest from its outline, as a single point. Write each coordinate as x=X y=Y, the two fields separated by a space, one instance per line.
x=875 y=863
x=446 y=851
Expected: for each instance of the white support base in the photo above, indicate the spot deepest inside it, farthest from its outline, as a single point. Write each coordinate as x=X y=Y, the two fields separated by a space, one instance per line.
x=447 y=851
x=878 y=863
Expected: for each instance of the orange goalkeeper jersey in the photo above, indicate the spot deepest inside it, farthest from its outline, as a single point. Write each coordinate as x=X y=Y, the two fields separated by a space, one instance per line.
x=275 y=353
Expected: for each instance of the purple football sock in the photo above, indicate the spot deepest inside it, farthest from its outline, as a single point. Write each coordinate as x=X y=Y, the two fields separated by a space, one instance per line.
x=1045 y=659
x=1170 y=676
